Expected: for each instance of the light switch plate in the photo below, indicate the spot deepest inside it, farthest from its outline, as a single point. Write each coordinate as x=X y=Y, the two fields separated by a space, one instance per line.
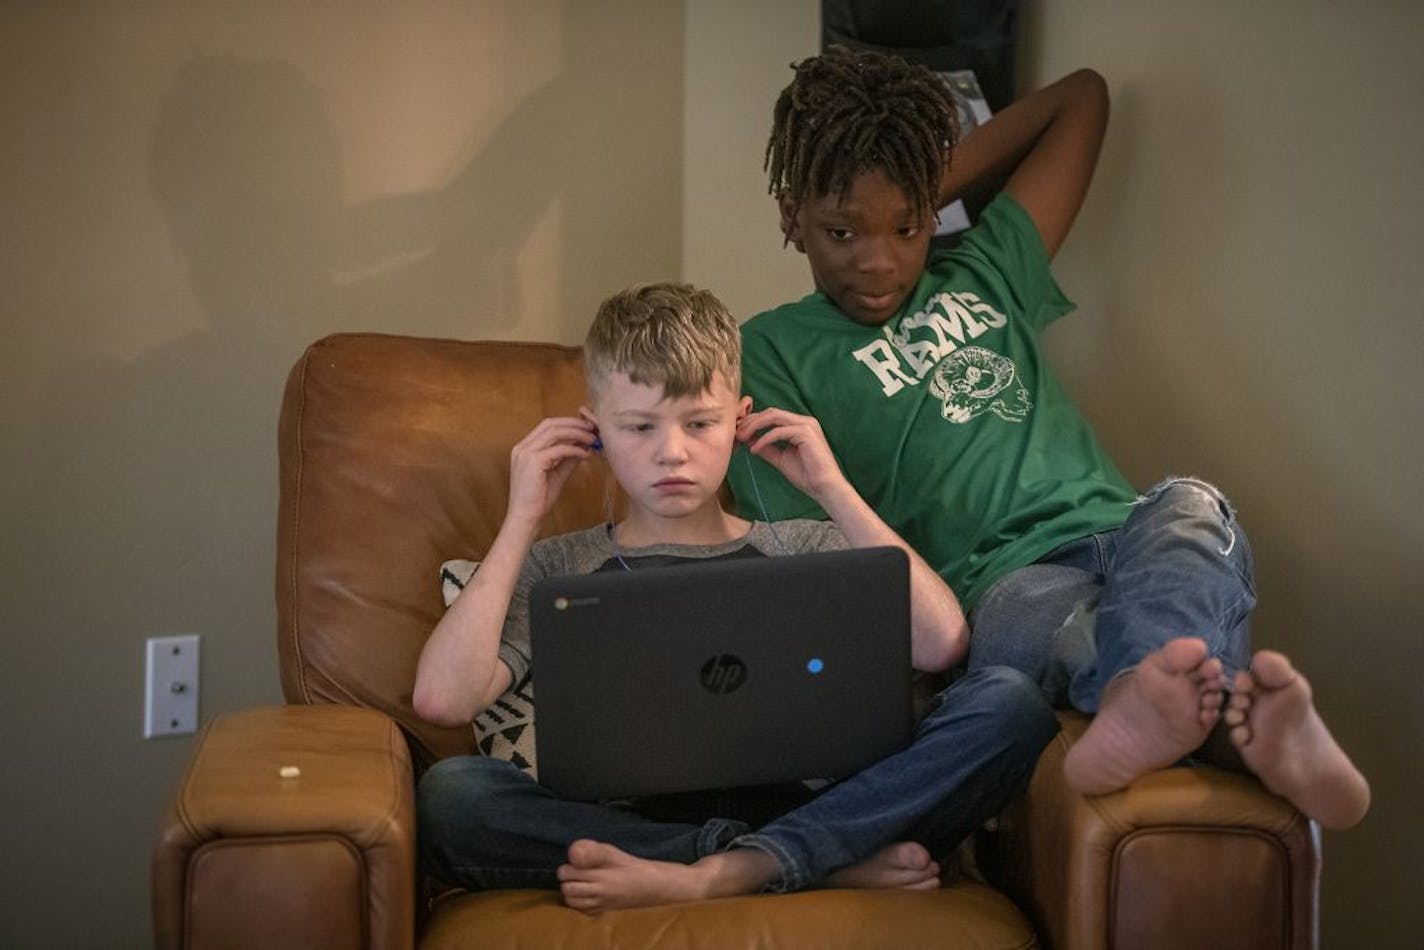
x=170 y=705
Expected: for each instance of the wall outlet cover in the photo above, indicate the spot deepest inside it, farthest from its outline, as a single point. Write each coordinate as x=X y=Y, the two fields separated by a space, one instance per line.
x=170 y=705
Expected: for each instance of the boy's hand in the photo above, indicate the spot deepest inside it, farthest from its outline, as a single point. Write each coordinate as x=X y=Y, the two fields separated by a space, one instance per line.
x=541 y=463
x=796 y=447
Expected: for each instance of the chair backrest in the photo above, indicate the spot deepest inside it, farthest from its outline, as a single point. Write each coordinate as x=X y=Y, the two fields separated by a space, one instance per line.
x=394 y=457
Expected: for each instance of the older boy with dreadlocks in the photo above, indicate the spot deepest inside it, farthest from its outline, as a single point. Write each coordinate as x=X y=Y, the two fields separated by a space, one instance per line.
x=928 y=380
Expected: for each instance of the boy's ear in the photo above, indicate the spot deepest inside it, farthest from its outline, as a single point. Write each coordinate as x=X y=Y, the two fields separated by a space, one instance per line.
x=790 y=226
x=744 y=408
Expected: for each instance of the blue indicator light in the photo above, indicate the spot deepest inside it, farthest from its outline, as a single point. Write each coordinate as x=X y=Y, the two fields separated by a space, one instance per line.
x=815 y=665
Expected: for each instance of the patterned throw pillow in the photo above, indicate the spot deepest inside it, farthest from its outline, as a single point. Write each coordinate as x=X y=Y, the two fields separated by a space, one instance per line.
x=505 y=730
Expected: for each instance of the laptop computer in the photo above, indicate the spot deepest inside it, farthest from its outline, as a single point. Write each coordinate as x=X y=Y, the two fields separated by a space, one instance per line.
x=721 y=673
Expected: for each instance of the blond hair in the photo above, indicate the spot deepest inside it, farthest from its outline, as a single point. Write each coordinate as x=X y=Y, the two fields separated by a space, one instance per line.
x=669 y=335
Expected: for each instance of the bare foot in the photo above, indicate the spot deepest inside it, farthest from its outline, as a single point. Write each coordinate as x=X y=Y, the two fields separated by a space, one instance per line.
x=1148 y=718
x=601 y=877
x=1284 y=741
x=904 y=864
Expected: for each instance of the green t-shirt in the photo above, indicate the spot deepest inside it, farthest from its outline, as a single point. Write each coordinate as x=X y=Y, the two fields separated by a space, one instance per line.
x=946 y=419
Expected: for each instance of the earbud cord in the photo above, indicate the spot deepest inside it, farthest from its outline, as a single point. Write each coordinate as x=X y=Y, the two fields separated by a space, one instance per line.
x=608 y=506
x=761 y=504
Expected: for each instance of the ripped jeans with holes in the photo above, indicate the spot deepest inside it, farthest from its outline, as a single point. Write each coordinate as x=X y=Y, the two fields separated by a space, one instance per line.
x=1180 y=565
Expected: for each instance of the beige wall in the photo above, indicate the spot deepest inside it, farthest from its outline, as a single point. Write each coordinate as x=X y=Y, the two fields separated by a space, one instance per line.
x=739 y=54
x=1247 y=273
x=191 y=192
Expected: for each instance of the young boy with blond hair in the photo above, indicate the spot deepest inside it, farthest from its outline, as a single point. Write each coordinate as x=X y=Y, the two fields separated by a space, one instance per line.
x=664 y=403
x=927 y=375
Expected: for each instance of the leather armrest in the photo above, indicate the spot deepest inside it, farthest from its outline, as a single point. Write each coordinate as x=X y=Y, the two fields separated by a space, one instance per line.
x=293 y=826
x=1184 y=857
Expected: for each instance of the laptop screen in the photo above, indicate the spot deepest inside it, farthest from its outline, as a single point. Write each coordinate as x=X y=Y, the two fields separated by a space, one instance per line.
x=721 y=673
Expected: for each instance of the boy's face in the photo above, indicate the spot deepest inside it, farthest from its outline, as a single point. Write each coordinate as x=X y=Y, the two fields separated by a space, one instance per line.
x=670 y=455
x=866 y=248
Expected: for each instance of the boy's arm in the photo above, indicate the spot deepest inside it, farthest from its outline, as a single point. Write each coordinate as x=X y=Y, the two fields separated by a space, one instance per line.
x=1042 y=149
x=460 y=672
x=795 y=446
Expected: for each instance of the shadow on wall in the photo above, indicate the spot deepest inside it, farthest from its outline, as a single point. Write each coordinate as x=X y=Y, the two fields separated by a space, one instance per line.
x=246 y=167
x=163 y=468
x=145 y=500
x=160 y=469
x=159 y=473
x=245 y=164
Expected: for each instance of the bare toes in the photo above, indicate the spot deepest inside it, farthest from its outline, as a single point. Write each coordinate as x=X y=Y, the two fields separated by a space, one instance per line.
x=1272 y=670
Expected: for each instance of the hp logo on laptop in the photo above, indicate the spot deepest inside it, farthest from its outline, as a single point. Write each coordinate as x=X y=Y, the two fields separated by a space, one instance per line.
x=723 y=673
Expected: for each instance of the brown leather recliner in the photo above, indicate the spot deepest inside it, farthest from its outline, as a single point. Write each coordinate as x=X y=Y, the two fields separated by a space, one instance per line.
x=294 y=825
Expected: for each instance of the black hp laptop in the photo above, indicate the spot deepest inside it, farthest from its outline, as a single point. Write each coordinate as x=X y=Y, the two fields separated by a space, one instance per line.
x=723 y=673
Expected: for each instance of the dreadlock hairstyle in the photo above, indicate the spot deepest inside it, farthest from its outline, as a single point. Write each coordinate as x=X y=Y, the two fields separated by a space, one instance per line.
x=851 y=111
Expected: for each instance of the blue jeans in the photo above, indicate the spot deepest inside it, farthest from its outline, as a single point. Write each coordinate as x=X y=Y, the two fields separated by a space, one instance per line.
x=485 y=824
x=1180 y=565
